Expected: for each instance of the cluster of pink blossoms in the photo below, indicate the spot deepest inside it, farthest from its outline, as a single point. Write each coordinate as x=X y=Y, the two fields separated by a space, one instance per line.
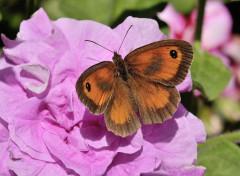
x=44 y=128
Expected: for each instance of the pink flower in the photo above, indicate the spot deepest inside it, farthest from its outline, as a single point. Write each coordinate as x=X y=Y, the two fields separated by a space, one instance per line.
x=232 y=49
x=217 y=24
x=45 y=130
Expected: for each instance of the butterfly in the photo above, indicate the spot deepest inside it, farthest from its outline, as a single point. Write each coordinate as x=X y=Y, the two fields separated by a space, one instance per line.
x=144 y=81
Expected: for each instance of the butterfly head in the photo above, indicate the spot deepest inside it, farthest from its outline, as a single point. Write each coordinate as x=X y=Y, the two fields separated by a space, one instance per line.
x=116 y=57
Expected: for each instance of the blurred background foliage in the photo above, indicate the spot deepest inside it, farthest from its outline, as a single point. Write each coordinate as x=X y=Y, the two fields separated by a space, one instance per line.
x=220 y=113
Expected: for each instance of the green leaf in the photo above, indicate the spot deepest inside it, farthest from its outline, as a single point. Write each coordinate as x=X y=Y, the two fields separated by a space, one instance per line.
x=183 y=6
x=209 y=74
x=220 y=155
x=123 y=5
x=104 y=11
x=165 y=30
x=231 y=137
x=100 y=10
x=52 y=7
x=228 y=109
x=213 y=124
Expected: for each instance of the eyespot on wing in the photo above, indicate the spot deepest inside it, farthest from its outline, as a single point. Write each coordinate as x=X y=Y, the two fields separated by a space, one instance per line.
x=166 y=62
x=95 y=86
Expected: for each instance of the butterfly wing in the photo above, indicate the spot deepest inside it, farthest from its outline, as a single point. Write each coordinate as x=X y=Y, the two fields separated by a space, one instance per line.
x=95 y=86
x=156 y=102
x=120 y=115
x=166 y=61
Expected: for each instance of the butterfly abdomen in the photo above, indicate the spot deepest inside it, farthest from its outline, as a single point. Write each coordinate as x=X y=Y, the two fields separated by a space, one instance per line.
x=120 y=67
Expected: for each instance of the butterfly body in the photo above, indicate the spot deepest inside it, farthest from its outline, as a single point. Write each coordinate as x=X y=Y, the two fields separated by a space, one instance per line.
x=144 y=81
x=120 y=66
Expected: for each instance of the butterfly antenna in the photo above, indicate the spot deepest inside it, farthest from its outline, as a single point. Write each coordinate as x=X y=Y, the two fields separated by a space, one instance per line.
x=124 y=37
x=99 y=45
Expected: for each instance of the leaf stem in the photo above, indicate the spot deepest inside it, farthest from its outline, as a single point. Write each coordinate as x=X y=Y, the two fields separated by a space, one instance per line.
x=201 y=7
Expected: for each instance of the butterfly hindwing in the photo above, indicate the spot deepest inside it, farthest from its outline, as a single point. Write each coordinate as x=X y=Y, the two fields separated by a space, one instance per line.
x=166 y=61
x=156 y=102
x=120 y=115
x=95 y=86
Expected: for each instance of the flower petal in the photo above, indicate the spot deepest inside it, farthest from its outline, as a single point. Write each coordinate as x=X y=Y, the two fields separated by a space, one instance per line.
x=9 y=43
x=138 y=35
x=22 y=164
x=188 y=170
x=140 y=162
x=4 y=154
x=91 y=163
x=176 y=146
x=197 y=127
x=31 y=30
x=35 y=73
x=186 y=85
x=217 y=25
x=26 y=130
x=175 y=21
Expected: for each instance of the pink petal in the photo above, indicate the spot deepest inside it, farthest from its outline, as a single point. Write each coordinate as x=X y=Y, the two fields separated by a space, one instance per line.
x=90 y=163
x=85 y=30
x=64 y=105
x=34 y=77
x=217 y=25
x=175 y=21
x=131 y=144
x=9 y=86
x=77 y=140
x=9 y=43
x=176 y=146
x=158 y=173
x=66 y=69
x=188 y=170
x=134 y=164
x=22 y=164
x=26 y=52
x=26 y=130
x=197 y=127
x=232 y=48
x=185 y=171
x=138 y=35
x=52 y=169
x=4 y=154
x=186 y=85
x=96 y=135
x=231 y=90
x=67 y=154
x=32 y=30
x=88 y=53
x=4 y=134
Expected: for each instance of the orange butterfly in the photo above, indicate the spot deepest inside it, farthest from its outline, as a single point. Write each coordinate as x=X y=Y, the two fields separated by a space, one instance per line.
x=143 y=81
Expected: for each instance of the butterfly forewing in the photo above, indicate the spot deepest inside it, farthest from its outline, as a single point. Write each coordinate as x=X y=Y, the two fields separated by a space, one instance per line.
x=95 y=86
x=166 y=61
